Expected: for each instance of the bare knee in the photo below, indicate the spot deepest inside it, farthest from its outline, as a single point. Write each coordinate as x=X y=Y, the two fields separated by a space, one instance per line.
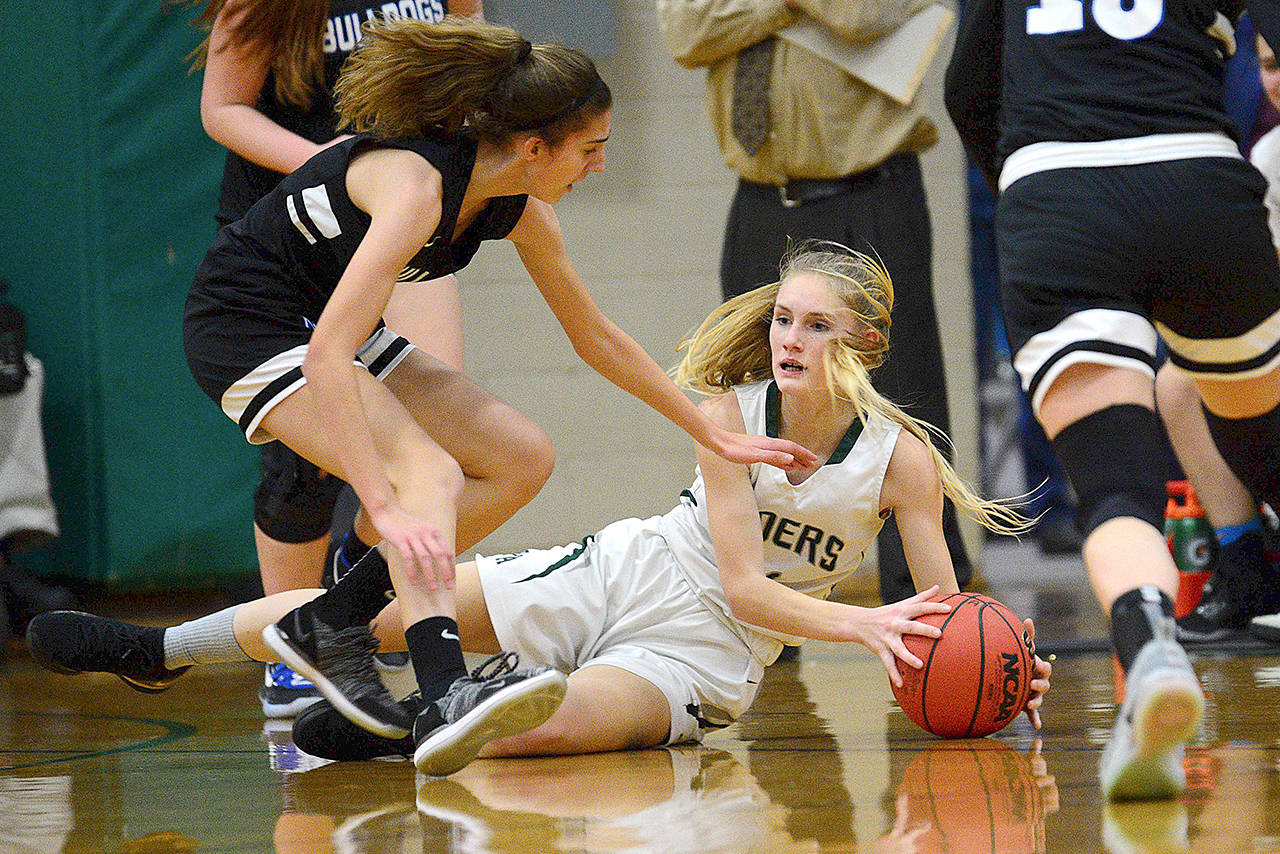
x=424 y=468
x=1175 y=392
x=529 y=459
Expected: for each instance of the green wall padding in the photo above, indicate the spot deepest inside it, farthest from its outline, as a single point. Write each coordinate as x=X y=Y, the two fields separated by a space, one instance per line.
x=112 y=185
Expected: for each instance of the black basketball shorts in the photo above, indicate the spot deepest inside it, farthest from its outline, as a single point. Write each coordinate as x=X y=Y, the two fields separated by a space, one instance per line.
x=248 y=363
x=1095 y=261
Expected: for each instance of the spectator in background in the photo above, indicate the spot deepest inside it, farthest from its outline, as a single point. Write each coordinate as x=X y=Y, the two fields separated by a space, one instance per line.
x=269 y=71
x=821 y=154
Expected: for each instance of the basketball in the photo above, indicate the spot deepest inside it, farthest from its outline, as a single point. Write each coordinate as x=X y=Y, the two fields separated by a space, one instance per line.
x=976 y=676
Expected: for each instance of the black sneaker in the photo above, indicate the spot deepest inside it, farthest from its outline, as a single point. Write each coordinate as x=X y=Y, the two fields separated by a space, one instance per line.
x=339 y=662
x=1242 y=587
x=481 y=708
x=322 y=731
x=71 y=642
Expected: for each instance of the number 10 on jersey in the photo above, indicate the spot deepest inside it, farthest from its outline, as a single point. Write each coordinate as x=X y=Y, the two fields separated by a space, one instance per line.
x=1067 y=16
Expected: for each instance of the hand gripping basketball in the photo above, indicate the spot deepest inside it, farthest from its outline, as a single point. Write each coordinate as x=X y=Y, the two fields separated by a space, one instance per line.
x=976 y=675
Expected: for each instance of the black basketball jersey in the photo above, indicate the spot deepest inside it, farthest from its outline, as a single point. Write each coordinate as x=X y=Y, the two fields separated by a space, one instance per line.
x=1085 y=71
x=244 y=182
x=285 y=256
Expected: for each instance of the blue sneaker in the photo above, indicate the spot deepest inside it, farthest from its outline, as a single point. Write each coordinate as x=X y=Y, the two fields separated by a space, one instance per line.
x=284 y=693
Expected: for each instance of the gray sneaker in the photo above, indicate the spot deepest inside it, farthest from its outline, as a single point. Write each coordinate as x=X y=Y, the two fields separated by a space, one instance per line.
x=339 y=663
x=481 y=708
x=1162 y=707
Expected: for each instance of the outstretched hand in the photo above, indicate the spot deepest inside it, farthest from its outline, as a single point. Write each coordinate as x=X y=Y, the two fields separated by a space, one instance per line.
x=1039 y=679
x=881 y=630
x=746 y=449
x=427 y=556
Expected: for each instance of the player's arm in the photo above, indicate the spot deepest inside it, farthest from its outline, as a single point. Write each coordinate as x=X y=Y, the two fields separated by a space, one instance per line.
x=615 y=355
x=234 y=74
x=912 y=491
x=401 y=192
x=759 y=601
x=973 y=83
x=702 y=32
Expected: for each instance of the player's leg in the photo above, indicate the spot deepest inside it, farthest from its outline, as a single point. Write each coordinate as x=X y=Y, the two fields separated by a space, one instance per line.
x=504 y=457
x=1086 y=353
x=292 y=507
x=605 y=708
x=1108 y=438
x=1244 y=584
x=151 y=658
x=1222 y=318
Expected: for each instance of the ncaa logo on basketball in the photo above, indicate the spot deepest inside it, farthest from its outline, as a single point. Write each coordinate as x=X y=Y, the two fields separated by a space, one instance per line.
x=1011 y=684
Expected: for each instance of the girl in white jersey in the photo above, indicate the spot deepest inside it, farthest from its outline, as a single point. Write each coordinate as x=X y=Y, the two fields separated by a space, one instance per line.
x=665 y=624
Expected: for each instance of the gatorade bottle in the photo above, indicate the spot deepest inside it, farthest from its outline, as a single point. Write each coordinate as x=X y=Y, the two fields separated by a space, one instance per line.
x=1191 y=542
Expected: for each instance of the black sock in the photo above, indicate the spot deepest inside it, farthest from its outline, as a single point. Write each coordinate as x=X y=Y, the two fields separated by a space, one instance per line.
x=1251 y=447
x=436 y=653
x=1134 y=616
x=358 y=597
x=352 y=550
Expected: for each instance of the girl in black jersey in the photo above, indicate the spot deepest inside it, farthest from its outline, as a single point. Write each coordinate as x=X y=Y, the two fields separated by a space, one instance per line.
x=465 y=132
x=269 y=72
x=1126 y=213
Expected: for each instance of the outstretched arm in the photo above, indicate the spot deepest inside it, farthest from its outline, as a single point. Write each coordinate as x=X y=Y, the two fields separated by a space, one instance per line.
x=759 y=601
x=617 y=357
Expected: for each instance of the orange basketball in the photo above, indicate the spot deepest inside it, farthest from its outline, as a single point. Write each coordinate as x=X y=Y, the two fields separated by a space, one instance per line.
x=976 y=676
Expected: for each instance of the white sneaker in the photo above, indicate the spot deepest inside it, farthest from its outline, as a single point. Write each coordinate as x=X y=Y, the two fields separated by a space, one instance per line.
x=1162 y=708
x=1266 y=626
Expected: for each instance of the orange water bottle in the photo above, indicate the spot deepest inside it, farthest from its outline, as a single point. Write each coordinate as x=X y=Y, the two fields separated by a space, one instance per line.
x=1191 y=542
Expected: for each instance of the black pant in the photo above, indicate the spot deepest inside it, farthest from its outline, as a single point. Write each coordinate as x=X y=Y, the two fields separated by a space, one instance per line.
x=884 y=212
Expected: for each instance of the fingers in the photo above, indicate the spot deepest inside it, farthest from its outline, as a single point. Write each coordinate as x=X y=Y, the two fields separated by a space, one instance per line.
x=900 y=650
x=890 y=666
x=427 y=558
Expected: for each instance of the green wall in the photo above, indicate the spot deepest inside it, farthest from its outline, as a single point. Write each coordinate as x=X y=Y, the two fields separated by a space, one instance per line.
x=111 y=186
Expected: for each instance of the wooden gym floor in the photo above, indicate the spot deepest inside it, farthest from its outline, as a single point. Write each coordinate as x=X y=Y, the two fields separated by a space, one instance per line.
x=824 y=761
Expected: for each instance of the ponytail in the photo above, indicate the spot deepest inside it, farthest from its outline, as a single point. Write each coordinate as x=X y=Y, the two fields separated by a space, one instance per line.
x=410 y=78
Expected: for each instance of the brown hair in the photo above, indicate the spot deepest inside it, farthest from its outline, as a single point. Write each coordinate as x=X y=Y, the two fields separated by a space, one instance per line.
x=409 y=77
x=291 y=30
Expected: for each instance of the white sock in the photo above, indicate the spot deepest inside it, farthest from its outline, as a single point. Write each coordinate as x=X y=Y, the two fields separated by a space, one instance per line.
x=205 y=640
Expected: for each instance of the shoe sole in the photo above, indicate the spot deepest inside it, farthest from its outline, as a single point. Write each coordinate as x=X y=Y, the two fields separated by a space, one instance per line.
x=1164 y=720
x=511 y=711
x=35 y=646
x=278 y=643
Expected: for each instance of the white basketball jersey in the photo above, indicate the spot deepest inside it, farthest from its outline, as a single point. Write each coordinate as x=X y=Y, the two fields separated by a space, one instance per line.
x=814 y=532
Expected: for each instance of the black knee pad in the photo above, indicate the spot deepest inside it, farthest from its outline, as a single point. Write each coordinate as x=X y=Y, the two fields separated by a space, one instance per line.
x=1251 y=447
x=294 y=500
x=1116 y=461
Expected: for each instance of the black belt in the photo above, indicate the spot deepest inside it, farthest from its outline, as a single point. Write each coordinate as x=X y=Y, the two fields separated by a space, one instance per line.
x=801 y=191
